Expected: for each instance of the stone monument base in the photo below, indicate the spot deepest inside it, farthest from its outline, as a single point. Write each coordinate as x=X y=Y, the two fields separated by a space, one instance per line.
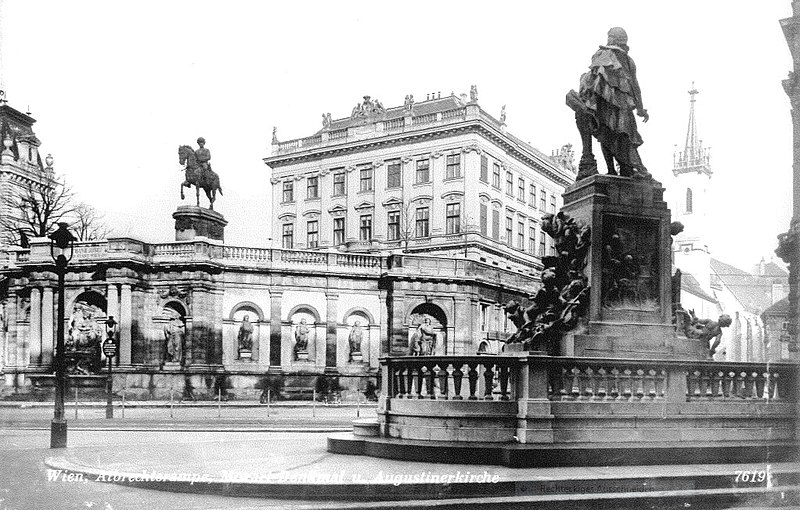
x=245 y=355
x=171 y=366
x=302 y=355
x=192 y=221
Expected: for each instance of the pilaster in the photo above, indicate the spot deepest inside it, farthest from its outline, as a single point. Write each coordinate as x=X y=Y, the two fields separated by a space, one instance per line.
x=48 y=324
x=34 y=354
x=275 y=339
x=331 y=331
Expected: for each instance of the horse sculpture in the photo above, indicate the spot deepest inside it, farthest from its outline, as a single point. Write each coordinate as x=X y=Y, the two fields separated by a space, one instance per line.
x=198 y=176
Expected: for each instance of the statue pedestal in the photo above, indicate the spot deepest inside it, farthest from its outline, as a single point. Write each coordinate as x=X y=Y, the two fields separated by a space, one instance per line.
x=192 y=222
x=171 y=366
x=245 y=355
x=302 y=356
x=629 y=270
x=356 y=357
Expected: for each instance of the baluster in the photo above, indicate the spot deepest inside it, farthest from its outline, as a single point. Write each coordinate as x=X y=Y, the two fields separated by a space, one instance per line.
x=775 y=395
x=401 y=382
x=640 y=383
x=731 y=386
x=566 y=384
x=473 y=380
x=719 y=388
x=754 y=385
x=458 y=374
x=602 y=382
x=741 y=386
x=576 y=383
x=662 y=382
x=626 y=383
x=488 y=381
x=410 y=381
x=588 y=386
x=708 y=384
x=444 y=377
x=614 y=383
x=650 y=383
x=505 y=372
x=694 y=384
x=430 y=381
x=702 y=383
x=420 y=378
x=764 y=392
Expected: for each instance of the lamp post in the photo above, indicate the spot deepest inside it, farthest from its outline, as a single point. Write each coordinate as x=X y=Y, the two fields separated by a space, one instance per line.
x=61 y=250
x=110 y=350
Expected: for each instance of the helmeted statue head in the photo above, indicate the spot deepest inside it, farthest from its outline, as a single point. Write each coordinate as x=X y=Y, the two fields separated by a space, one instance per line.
x=618 y=37
x=725 y=320
x=201 y=141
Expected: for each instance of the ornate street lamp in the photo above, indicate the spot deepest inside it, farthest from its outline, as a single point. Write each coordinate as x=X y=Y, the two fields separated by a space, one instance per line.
x=61 y=249
x=110 y=350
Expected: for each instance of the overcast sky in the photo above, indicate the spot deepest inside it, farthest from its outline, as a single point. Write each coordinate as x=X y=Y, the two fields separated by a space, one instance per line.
x=116 y=87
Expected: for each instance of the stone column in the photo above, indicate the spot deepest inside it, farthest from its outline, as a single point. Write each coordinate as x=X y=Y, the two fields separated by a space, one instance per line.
x=331 y=332
x=383 y=333
x=398 y=336
x=275 y=330
x=47 y=326
x=11 y=336
x=112 y=308
x=35 y=339
x=125 y=324
x=462 y=342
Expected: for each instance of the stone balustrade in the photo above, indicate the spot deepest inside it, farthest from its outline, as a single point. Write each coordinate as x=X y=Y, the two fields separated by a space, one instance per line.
x=566 y=399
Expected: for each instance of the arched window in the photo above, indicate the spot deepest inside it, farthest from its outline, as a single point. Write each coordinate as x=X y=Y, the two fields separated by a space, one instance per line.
x=688 y=200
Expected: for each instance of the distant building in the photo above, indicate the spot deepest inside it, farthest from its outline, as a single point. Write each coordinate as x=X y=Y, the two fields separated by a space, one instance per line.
x=710 y=286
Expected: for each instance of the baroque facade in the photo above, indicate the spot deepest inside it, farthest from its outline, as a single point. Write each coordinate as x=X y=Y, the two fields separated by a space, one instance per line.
x=197 y=316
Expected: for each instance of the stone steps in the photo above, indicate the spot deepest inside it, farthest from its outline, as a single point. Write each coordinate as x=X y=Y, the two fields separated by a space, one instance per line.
x=365 y=427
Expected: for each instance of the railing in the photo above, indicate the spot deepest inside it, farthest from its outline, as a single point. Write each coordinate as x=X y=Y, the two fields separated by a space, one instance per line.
x=338 y=134
x=394 y=124
x=451 y=377
x=454 y=114
x=236 y=253
x=588 y=380
x=736 y=381
x=90 y=250
x=181 y=251
x=425 y=119
x=311 y=140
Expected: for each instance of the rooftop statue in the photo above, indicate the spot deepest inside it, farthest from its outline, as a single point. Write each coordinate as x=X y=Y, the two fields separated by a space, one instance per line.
x=198 y=171
x=604 y=108
x=703 y=330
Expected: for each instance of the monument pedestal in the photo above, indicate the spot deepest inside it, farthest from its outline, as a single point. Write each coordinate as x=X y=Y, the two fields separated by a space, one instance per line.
x=629 y=272
x=192 y=221
x=171 y=366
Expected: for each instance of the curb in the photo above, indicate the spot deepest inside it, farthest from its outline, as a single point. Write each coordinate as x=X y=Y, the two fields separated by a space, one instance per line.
x=161 y=428
x=153 y=404
x=412 y=496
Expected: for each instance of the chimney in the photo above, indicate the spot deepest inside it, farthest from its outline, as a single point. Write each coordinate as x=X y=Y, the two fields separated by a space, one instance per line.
x=427 y=97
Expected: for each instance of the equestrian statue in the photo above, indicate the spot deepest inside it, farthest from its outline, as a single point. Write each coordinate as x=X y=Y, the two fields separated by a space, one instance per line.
x=198 y=172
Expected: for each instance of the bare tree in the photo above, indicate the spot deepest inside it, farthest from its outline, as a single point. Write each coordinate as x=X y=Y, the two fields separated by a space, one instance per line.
x=87 y=223
x=407 y=225
x=34 y=211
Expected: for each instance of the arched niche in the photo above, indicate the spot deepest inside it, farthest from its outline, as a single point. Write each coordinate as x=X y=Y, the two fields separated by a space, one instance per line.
x=361 y=331
x=243 y=332
x=304 y=320
x=423 y=317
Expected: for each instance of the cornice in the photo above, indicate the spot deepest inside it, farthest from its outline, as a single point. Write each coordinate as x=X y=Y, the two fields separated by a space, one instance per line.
x=433 y=133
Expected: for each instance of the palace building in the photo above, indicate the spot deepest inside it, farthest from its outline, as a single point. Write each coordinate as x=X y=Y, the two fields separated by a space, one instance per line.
x=387 y=222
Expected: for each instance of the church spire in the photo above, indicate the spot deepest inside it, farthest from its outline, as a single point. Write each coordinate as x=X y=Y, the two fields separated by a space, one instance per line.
x=693 y=158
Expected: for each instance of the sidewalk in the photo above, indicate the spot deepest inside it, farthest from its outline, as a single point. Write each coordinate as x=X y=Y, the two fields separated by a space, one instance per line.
x=296 y=469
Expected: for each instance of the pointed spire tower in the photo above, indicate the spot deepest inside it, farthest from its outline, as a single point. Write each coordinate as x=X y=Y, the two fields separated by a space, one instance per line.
x=692 y=171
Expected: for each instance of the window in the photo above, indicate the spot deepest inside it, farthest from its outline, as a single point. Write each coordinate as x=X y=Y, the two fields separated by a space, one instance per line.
x=484 y=169
x=393 y=175
x=338 y=183
x=496 y=175
x=495 y=224
x=521 y=189
x=689 y=204
x=312 y=187
x=484 y=317
x=521 y=235
x=338 y=231
x=543 y=200
x=288 y=191
x=423 y=222
x=532 y=196
x=484 y=219
x=365 y=231
x=287 y=240
x=453 y=218
x=509 y=184
x=366 y=179
x=553 y=204
x=453 y=166
x=423 y=170
x=509 y=231
x=532 y=239
x=541 y=244
x=312 y=234
x=393 y=221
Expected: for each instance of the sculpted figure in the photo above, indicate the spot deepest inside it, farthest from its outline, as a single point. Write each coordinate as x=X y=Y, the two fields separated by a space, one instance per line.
x=704 y=330
x=174 y=334
x=604 y=107
x=198 y=172
x=301 y=337
x=355 y=338
x=409 y=103
x=423 y=341
x=473 y=93
x=203 y=155
x=245 y=336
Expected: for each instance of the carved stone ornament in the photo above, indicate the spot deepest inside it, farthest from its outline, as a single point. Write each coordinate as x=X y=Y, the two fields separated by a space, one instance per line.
x=436 y=155
x=472 y=148
x=175 y=292
x=406 y=159
x=324 y=172
x=350 y=169
x=275 y=180
x=377 y=164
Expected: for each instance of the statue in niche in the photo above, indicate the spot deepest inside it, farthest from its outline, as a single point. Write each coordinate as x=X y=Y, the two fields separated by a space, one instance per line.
x=83 y=339
x=703 y=330
x=423 y=341
x=564 y=296
x=245 y=336
x=604 y=108
x=355 y=338
x=301 y=333
x=174 y=334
